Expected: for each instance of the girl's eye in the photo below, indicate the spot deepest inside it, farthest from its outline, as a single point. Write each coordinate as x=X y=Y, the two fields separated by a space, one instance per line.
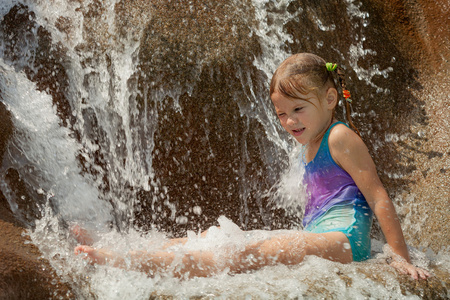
x=298 y=108
x=281 y=114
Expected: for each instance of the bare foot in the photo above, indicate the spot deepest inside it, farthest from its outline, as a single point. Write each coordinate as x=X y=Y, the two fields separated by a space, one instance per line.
x=97 y=256
x=82 y=236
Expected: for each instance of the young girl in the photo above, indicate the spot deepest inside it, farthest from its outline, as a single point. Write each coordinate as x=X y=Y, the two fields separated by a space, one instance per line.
x=341 y=180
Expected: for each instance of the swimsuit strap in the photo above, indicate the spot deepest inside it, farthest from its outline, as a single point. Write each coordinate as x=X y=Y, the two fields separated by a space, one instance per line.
x=325 y=137
x=324 y=143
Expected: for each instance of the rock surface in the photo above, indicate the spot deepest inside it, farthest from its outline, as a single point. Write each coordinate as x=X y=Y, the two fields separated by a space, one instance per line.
x=415 y=28
x=24 y=274
x=408 y=128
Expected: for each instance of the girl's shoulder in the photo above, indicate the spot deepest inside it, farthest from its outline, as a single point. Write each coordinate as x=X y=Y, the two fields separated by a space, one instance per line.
x=341 y=134
x=343 y=141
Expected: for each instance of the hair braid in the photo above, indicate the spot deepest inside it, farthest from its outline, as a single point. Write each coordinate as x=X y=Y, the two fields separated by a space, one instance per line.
x=341 y=77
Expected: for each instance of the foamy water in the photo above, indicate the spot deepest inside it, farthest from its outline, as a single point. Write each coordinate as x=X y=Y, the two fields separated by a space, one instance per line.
x=46 y=154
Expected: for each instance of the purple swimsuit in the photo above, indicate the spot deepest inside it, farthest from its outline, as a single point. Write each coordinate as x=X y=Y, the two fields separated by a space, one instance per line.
x=335 y=203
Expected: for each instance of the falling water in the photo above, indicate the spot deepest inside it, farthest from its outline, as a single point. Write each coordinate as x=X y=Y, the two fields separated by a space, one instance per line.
x=89 y=158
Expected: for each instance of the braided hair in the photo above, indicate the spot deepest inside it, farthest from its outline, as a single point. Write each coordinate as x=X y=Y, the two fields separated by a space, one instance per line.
x=341 y=77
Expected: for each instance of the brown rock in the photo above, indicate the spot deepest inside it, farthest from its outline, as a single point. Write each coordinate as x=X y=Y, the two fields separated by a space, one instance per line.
x=6 y=128
x=418 y=30
x=202 y=51
x=196 y=50
x=24 y=274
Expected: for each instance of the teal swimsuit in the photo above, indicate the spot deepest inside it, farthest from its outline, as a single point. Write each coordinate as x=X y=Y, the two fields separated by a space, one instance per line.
x=335 y=202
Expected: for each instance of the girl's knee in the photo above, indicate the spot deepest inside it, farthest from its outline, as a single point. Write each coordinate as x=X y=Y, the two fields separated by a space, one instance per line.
x=331 y=245
x=287 y=249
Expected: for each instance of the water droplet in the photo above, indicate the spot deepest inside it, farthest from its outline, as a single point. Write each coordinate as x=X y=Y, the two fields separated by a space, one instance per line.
x=197 y=210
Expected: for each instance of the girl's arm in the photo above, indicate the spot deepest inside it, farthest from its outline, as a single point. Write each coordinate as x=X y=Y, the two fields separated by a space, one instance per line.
x=350 y=152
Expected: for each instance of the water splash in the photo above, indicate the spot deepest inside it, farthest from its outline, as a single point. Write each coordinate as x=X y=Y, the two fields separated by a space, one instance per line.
x=105 y=106
x=45 y=153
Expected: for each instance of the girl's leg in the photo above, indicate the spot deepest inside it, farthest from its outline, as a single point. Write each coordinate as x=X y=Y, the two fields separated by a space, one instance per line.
x=84 y=237
x=289 y=249
x=191 y=264
x=333 y=246
x=285 y=248
x=196 y=263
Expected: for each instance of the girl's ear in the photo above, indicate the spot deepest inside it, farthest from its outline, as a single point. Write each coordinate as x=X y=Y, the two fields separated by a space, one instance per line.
x=331 y=97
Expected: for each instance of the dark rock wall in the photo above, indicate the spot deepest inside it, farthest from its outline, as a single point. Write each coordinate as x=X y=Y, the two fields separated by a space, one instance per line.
x=201 y=148
x=415 y=29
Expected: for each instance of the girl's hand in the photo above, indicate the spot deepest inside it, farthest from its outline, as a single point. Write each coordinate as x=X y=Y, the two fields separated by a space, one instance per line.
x=98 y=256
x=407 y=268
x=82 y=236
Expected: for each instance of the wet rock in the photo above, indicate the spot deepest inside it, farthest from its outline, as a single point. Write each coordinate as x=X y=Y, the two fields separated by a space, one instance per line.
x=196 y=60
x=29 y=48
x=24 y=274
x=6 y=128
x=415 y=29
x=184 y=39
x=191 y=57
x=374 y=281
x=435 y=287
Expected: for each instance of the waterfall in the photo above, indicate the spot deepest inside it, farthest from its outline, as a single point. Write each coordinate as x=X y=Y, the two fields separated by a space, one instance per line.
x=140 y=120
x=46 y=152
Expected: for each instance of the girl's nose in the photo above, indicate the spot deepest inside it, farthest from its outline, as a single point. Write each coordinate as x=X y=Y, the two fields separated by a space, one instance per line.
x=292 y=121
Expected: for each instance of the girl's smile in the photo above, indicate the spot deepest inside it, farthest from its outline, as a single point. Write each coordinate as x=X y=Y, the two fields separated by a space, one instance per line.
x=306 y=118
x=297 y=132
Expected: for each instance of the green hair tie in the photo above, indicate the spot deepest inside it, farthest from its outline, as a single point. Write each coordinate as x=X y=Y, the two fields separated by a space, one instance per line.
x=331 y=67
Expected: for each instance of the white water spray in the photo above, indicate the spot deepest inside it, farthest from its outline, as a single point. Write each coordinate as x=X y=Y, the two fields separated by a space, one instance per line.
x=103 y=100
x=46 y=152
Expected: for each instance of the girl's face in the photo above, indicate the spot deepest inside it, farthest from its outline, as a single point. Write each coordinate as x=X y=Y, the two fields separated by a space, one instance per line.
x=306 y=118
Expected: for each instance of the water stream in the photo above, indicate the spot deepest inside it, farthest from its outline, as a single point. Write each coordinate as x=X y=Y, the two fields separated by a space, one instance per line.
x=95 y=164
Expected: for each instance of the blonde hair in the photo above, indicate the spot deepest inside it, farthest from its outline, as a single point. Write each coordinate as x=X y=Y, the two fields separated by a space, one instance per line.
x=303 y=73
